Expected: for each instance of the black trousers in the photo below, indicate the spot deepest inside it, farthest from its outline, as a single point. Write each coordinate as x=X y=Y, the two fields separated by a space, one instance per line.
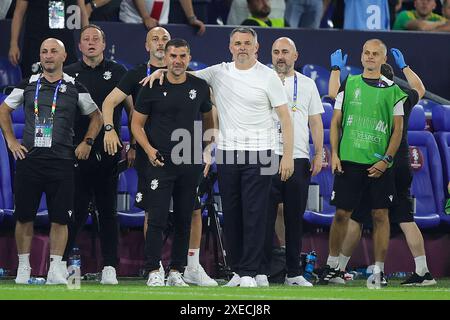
x=293 y=194
x=179 y=182
x=97 y=180
x=244 y=189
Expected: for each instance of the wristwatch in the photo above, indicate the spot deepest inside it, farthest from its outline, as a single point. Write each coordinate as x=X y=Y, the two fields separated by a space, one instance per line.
x=89 y=141
x=388 y=159
x=109 y=127
x=334 y=68
x=133 y=146
x=93 y=5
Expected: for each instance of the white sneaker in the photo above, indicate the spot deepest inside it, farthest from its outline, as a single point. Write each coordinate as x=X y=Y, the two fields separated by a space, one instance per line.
x=109 y=275
x=23 y=274
x=175 y=280
x=198 y=276
x=162 y=271
x=64 y=270
x=56 y=274
x=234 y=282
x=248 y=282
x=261 y=280
x=155 y=280
x=297 y=281
x=337 y=280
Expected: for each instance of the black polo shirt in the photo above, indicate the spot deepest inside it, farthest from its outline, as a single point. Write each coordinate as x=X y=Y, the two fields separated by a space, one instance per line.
x=172 y=107
x=72 y=96
x=100 y=81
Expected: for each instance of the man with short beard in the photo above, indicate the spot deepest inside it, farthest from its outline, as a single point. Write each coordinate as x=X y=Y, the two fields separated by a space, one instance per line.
x=305 y=108
x=259 y=15
x=45 y=164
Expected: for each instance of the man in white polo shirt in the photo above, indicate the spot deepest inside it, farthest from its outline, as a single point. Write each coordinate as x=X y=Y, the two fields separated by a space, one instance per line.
x=246 y=92
x=305 y=108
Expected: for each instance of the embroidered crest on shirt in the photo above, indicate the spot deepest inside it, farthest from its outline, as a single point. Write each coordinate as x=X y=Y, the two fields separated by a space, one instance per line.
x=154 y=184
x=138 y=197
x=193 y=94
x=107 y=75
x=63 y=88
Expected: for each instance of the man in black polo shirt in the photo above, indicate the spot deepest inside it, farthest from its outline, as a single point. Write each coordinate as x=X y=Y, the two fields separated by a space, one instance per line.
x=129 y=85
x=98 y=175
x=45 y=164
x=172 y=106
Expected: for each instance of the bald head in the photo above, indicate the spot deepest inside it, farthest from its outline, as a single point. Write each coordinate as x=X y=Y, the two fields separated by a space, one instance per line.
x=373 y=56
x=284 y=55
x=156 y=43
x=52 y=55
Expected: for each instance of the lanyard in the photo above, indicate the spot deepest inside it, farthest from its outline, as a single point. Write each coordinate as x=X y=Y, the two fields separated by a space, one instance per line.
x=294 y=106
x=36 y=95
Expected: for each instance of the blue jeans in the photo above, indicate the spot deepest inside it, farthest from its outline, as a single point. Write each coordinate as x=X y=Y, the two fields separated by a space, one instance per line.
x=304 y=13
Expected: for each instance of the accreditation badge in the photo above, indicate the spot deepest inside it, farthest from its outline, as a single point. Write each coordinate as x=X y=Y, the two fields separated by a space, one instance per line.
x=56 y=15
x=43 y=133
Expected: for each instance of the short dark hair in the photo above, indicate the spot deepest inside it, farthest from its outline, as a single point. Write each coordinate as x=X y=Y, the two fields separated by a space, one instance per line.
x=387 y=71
x=244 y=30
x=177 y=43
x=95 y=27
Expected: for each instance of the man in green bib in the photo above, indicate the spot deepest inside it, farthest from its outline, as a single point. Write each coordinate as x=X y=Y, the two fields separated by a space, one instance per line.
x=259 y=15
x=365 y=133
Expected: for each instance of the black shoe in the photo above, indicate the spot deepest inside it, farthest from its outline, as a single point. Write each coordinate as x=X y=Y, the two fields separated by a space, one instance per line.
x=327 y=274
x=416 y=280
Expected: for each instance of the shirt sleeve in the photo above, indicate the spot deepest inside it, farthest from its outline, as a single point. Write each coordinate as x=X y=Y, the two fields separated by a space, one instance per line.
x=398 y=109
x=85 y=101
x=401 y=21
x=127 y=82
x=275 y=91
x=339 y=100
x=208 y=74
x=315 y=104
x=15 y=98
x=143 y=104
x=206 y=104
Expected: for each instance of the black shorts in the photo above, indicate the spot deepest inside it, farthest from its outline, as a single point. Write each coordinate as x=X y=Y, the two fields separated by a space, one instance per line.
x=52 y=176
x=402 y=209
x=142 y=194
x=350 y=188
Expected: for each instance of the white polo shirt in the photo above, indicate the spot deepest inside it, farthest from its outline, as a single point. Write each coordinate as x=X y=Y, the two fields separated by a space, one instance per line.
x=157 y=9
x=308 y=104
x=244 y=101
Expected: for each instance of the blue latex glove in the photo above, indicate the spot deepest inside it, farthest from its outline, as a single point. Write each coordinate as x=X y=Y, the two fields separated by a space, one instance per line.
x=399 y=59
x=337 y=60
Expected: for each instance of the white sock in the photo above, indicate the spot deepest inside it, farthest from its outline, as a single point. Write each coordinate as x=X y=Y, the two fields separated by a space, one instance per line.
x=333 y=262
x=343 y=261
x=24 y=259
x=421 y=265
x=380 y=264
x=193 y=258
x=55 y=259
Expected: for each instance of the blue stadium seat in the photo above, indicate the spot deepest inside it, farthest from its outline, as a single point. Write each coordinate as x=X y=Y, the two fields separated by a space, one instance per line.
x=320 y=75
x=135 y=216
x=197 y=65
x=427 y=105
x=9 y=75
x=427 y=172
x=441 y=125
x=350 y=70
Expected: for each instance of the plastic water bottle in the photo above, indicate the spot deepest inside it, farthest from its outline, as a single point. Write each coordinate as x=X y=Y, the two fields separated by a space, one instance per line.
x=3 y=272
x=309 y=267
x=36 y=281
x=75 y=258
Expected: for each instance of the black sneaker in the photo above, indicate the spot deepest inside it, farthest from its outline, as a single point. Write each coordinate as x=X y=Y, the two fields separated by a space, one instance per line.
x=416 y=280
x=327 y=274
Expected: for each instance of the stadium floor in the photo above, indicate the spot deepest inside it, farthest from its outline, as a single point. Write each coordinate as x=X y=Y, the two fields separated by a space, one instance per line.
x=135 y=289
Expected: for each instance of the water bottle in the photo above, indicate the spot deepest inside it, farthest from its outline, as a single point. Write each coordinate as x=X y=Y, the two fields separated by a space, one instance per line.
x=75 y=258
x=36 y=281
x=309 y=267
x=3 y=272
